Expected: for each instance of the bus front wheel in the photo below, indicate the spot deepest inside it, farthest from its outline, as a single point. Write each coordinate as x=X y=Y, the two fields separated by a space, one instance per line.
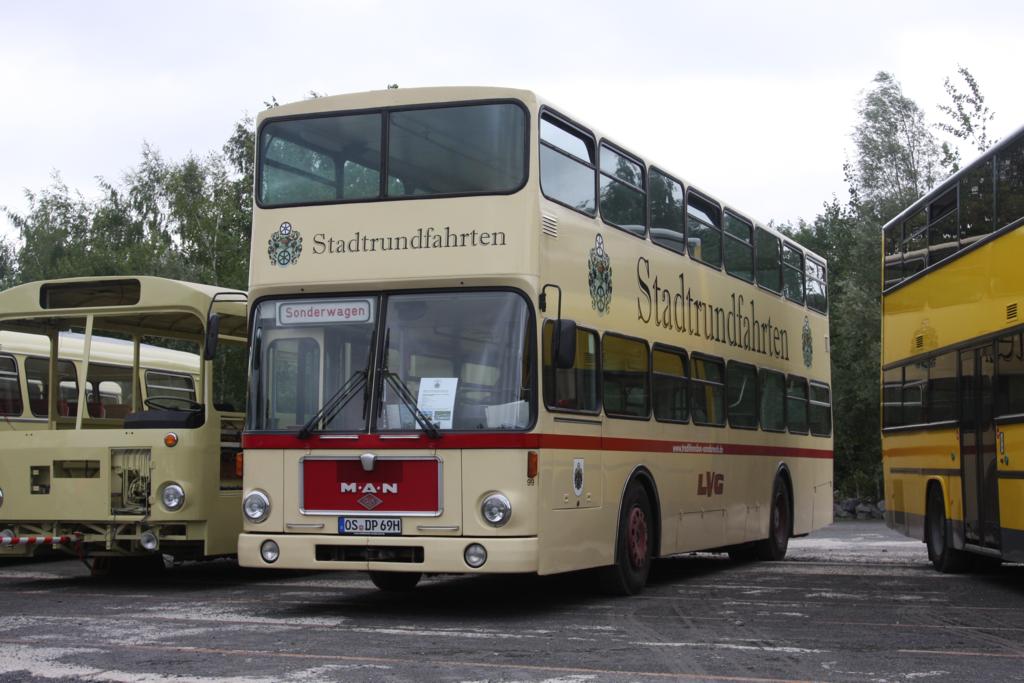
x=395 y=582
x=941 y=552
x=633 y=545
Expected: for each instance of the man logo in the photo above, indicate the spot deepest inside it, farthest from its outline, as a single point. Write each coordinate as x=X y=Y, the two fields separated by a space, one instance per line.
x=353 y=487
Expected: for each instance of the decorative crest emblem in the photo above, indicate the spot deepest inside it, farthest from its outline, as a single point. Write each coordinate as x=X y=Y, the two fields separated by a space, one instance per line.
x=577 y=476
x=599 y=274
x=808 y=343
x=284 y=246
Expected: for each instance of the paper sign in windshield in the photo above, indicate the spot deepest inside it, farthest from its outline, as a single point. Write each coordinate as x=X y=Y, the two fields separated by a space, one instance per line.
x=322 y=312
x=437 y=399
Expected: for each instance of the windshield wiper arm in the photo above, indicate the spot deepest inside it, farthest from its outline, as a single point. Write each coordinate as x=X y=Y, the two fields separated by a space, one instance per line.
x=335 y=403
x=407 y=399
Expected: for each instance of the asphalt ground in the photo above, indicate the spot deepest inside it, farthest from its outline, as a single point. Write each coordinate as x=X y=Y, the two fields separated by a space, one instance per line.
x=853 y=602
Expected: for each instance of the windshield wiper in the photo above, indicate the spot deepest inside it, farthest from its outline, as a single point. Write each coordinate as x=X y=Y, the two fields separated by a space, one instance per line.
x=407 y=399
x=334 y=405
x=404 y=395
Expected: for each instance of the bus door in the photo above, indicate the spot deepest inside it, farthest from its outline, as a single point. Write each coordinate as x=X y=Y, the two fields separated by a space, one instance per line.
x=978 y=448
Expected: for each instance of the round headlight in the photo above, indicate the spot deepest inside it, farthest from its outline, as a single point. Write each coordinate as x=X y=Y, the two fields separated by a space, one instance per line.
x=496 y=509
x=270 y=552
x=256 y=506
x=173 y=497
x=475 y=555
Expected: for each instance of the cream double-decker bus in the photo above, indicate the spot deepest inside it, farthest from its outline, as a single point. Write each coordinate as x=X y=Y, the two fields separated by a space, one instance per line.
x=122 y=404
x=485 y=338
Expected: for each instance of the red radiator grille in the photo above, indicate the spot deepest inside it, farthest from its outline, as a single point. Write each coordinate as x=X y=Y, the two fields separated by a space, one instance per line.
x=395 y=485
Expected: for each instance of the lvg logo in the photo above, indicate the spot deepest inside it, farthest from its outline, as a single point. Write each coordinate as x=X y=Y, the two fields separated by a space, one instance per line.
x=710 y=484
x=353 y=487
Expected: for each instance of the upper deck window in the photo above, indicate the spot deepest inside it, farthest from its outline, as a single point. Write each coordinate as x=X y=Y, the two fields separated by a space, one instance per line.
x=567 y=170
x=704 y=230
x=435 y=151
x=739 y=247
x=666 y=202
x=623 y=200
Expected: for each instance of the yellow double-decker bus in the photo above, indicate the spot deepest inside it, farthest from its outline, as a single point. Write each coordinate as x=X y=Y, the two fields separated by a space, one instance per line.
x=953 y=364
x=122 y=404
x=486 y=338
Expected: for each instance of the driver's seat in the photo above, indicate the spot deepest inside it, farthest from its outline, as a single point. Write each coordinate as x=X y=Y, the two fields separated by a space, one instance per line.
x=165 y=419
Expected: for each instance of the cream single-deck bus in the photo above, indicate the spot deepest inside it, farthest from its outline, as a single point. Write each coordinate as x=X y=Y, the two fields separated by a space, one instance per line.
x=486 y=338
x=953 y=365
x=133 y=454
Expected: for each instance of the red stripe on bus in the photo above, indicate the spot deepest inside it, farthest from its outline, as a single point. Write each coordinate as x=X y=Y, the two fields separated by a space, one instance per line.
x=522 y=441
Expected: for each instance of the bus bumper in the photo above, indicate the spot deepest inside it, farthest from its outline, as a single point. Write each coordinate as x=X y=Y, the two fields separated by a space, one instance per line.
x=390 y=553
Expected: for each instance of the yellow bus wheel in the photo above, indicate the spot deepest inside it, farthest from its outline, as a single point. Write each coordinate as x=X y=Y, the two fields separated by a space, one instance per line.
x=941 y=552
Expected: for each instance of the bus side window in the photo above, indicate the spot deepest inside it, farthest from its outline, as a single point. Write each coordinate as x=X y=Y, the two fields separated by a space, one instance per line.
x=625 y=387
x=773 y=400
x=769 y=261
x=10 y=389
x=567 y=168
x=708 y=386
x=574 y=388
x=739 y=247
x=741 y=382
x=819 y=409
x=796 y=404
x=670 y=382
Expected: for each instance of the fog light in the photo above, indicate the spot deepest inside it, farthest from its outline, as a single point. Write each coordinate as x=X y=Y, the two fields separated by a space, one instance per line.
x=496 y=509
x=270 y=552
x=475 y=555
x=256 y=506
x=173 y=497
x=149 y=541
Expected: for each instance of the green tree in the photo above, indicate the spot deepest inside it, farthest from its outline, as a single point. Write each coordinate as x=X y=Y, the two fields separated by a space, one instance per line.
x=187 y=220
x=968 y=115
x=896 y=160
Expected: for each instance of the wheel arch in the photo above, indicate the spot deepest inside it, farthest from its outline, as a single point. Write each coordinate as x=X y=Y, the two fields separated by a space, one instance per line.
x=643 y=476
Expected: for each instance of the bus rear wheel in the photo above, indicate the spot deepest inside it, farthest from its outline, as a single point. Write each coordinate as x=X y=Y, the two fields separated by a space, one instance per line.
x=941 y=552
x=780 y=524
x=395 y=582
x=633 y=545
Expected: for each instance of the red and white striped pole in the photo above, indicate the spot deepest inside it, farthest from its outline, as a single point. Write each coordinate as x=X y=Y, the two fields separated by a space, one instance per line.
x=40 y=540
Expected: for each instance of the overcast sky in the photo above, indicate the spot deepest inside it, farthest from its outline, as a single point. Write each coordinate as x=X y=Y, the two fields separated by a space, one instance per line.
x=751 y=101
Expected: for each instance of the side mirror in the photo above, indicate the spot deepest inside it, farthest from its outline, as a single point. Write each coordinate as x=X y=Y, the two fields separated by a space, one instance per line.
x=212 y=334
x=565 y=344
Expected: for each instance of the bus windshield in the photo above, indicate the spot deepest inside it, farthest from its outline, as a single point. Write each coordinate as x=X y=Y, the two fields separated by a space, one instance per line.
x=462 y=359
x=436 y=151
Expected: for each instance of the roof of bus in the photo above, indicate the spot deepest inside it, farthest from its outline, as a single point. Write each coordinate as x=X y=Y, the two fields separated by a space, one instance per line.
x=102 y=350
x=152 y=304
x=400 y=97
x=952 y=180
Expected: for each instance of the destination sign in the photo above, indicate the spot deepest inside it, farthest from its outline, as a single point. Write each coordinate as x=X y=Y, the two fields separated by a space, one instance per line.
x=320 y=312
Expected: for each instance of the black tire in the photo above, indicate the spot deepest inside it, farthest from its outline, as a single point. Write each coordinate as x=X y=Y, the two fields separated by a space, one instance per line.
x=127 y=567
x=395 y=582
x=634 y=541
x=780 y=525
x=745 y=552
x=941 y=552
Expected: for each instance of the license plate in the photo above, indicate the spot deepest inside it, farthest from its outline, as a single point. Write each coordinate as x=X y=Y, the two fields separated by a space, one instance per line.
x=370 y=526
